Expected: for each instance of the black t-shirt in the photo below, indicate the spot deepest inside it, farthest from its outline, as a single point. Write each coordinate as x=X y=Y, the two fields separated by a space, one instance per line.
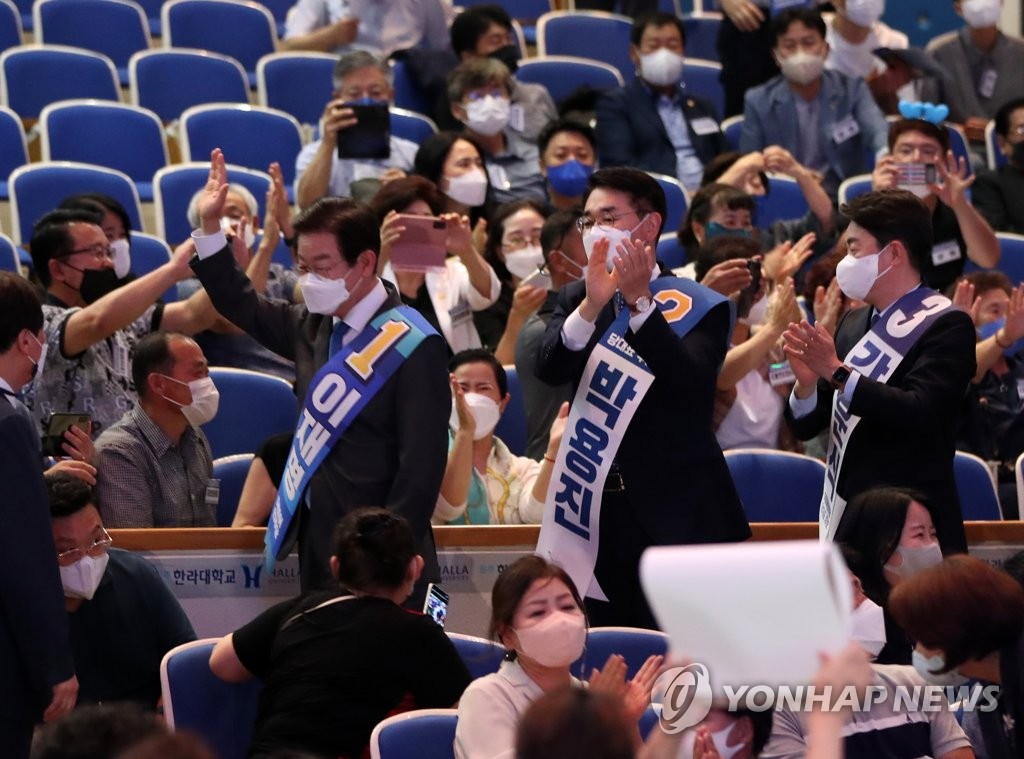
x=949 y=251
x=332 y=673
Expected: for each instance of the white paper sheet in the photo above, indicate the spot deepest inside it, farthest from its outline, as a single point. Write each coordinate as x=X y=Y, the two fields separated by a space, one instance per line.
x=752 y=613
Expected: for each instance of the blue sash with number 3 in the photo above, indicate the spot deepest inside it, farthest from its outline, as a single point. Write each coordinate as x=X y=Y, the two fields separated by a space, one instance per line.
x=336 y=396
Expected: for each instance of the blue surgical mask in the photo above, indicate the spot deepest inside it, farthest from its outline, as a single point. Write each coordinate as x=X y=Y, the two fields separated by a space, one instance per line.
x=715 y=229
x=927 y=667
x=570 y=178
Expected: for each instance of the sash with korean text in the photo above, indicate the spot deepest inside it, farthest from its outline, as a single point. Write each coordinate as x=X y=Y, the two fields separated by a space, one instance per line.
x=876 y=357
x=613 y=385
x=336 y=396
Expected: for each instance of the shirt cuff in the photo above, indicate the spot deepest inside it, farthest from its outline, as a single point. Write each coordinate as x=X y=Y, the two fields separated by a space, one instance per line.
x=637 y=321
x=207 y=245
x=576 y=331
x=849 y=387
x=802 y=406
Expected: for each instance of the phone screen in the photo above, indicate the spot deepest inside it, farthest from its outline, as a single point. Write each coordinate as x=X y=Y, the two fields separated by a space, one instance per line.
x=436 y=606
x=57 y=425
x=915 y=174
x=421 y=246
x=370 y=136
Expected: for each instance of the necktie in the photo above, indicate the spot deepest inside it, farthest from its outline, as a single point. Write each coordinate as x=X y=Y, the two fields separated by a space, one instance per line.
x=337 y=336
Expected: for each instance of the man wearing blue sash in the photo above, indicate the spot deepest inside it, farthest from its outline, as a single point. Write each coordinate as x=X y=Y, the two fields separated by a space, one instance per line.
x=892 y=403
x=639 y=464
x=371 y=376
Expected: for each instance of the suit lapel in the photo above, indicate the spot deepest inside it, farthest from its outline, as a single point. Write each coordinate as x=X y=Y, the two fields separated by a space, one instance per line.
x=645 y=105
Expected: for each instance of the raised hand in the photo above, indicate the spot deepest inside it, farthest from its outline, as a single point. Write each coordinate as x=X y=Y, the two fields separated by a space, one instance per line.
x=828 y=304
x=744 y=14
x=467 y=423
x=785 y=260
x=884 y=174
x=211 y=202
x=953 y=181
x=526 y=300
x=634 y=263
x=601 y=284
x=728 y=277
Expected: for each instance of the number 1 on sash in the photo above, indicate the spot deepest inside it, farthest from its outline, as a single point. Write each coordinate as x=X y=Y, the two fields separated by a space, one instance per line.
x=362 y=362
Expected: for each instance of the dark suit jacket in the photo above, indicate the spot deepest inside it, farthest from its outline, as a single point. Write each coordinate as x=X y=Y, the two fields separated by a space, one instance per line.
x=630 y=131
x=392 y=455
x=678 y=484
x=907 y=432
x=34 y=650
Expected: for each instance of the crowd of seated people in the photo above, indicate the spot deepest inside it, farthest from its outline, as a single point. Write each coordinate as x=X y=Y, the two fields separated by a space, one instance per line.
x=469 y=239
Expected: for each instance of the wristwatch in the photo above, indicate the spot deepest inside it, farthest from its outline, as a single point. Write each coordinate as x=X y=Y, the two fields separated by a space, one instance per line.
x=839 y=377
x=640 y=305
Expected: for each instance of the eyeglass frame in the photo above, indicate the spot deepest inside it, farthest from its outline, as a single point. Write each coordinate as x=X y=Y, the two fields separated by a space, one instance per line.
x=99 y=547
x=94 y=251
x=582 y=225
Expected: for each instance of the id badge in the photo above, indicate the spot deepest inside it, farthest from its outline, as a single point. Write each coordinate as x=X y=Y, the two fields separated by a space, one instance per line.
x=704 y=126
x=945 y=252
x=121 y=360
x=498 y=177
x=212 y=493
x=780 y=374
x=987 y=85
x=460 y=314
x=517 y=117
x=845 y=130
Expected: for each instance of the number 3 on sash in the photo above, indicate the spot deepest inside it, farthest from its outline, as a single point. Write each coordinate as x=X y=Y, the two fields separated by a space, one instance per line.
x=362 y=362
x=674 y=304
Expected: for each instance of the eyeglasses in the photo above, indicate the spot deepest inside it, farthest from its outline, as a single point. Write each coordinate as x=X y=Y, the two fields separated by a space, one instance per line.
x=585 y=223
x=320 y=271
x=516 y=241
x=373 y=93
x=98 y=547
x=926 y=152
x=101 y=251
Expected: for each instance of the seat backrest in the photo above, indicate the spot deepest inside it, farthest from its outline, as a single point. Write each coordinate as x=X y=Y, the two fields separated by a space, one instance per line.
x=33 y=76
x=675 y=199
x=194 y=699
x=633 y=644
x=411 y=126
x=13 y=147
x=511 y=427
x=408 y=95
x=297 y=83
x=11 y=34
x=125 y=29
x=1018 y=471
x=203 y=24
x=702 y=35
x=702 y=79
x=958 y=144
x=149 y=253
x=993 y=153
x=587 y=34
x=424 y=733
x=785 y=200
x=732 y=127
x=976 y=488
x=170 y=81
x=776 y=486
x=39 y=188
x=854 y=186
x=231 y=471
x=174 y=186
x=9 y=255
x=670 y=251
x=250 y=136
x=236 y=428
x=1011 y=257
x=116 y=135
x=481 y=656
x=564 y=74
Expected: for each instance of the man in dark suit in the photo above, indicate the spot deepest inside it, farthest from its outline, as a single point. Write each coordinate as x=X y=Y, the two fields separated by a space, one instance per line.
x=669 y=483
x=651 y=124
x=394 y=452
x=897 y=429
x=36 y=670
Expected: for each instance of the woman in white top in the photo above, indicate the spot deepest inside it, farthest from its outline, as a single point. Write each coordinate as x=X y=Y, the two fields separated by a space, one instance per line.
x=484 y=483
x=538 y=616
x=446 y=297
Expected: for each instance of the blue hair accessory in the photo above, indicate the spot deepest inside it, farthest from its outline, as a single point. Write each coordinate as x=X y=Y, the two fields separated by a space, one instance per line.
x=930 y=112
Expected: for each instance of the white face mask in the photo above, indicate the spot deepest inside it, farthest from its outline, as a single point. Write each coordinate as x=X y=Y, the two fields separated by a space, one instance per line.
x=322 y=295
x=81 y=579
x=915 y=559
x=122 y=258
x=230 y=227
x=37 y=370
x=720 y=739
x=470 y=188
x=867 y=627
x=864 y=12
x=802 y=67
x=858 y=275
x=981 y=13
x=524 y=262
x=583 y=269
x=205 y=400
x=920 y=190
x=488 y=115
x=556 y=641
x=613 y=235
x=926 y=666
x=662 y=68
x=485 y=414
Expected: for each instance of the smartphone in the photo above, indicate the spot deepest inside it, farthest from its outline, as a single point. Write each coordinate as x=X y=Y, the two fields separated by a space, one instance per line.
x=539 y=278
x=370 y=136
x=748 y=294
x=57 y=425
x=436 y=606
x=421 y=246
x=915 y=173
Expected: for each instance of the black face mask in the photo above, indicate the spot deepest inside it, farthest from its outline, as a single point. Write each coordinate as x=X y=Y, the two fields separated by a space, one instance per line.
x=98 y=282
x=508 y=55
x=1017 y=155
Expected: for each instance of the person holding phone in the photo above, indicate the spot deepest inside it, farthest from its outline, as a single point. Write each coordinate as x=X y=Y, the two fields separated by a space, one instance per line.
x=455 y=164
x=360 y=80
x=448 y=296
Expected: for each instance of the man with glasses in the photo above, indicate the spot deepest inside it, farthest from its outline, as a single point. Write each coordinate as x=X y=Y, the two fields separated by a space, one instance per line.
x=668 y=482
x=359 y=79
x=93 y=320
x=122 y=616
x=916 y=149
x=999 y=195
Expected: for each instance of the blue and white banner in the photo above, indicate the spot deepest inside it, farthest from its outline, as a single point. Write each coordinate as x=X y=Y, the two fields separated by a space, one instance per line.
x=876 y=357
x=337 y=394
x=613 y=385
